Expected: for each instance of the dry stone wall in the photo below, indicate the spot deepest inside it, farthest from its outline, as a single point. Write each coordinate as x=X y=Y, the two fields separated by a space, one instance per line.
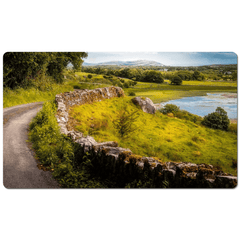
x=123 y=163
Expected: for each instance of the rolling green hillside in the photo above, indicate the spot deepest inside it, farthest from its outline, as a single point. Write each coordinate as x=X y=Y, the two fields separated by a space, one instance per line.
x=167 y=138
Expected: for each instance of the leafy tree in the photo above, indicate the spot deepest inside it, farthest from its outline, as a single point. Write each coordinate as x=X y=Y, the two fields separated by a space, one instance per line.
x=17 y=66
x=60 y=60
x=197 y=76
x=125 y=72
x=217 y=119
x=153 y=76
x=176 y=80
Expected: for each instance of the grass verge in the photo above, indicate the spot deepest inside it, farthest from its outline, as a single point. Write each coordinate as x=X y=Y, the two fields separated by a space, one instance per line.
x=58 y=154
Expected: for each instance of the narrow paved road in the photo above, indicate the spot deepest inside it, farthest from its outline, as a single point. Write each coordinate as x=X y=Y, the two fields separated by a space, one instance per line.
x=19 y=166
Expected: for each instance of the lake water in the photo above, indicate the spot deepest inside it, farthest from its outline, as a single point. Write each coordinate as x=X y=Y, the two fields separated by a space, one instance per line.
x=203 y=105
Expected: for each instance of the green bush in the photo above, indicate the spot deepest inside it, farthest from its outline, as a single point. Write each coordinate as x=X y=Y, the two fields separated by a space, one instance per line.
x=183 y=114
x=132 y=94
x=233 y=128
x=176 y=80
x=77 y=87
x=125 y=85
x=169 y=108
x=133 y=83
x=217 y=120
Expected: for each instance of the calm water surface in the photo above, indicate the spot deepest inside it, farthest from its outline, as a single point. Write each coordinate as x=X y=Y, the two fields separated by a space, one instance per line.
x=203 y=105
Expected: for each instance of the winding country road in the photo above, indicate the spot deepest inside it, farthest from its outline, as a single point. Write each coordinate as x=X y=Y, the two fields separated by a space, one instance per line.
x=19 y=165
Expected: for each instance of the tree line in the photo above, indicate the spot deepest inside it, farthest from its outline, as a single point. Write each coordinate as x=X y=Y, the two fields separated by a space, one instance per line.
x=157 y=74
x=135 y=74
x=21 y=67
x=154 y=76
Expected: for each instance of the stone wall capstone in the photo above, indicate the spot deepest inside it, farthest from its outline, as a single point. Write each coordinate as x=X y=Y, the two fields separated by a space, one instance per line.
x=177 y=174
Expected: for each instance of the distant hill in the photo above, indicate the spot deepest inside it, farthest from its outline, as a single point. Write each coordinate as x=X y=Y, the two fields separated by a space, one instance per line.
x=126 y=63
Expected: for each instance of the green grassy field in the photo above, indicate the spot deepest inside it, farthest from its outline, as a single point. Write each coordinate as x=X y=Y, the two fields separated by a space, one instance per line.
x=158 y=135
x=157 y=92
x=164 y=92
x=71 y=82
x=23 y=96
x=29 y=95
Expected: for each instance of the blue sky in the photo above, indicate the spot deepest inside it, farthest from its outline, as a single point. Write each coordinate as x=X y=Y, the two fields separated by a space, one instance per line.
x=166 y=58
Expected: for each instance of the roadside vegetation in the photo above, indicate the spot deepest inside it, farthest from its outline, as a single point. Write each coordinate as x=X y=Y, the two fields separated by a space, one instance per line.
x=58 y=154
x=70 y=166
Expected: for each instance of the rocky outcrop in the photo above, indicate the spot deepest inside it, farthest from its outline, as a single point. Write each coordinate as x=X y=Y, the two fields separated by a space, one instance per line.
x=121 y=162
x=146 y=104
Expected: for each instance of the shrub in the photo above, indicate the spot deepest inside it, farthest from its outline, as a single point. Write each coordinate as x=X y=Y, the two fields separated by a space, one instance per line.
x=132 y=94
x=217 y=119
x=126 y=85
x=176 y=80
x=124 y=124
x=169 y=108
x=47 y=140
x=183 y=114
x=233 y=128
x=89 y=76
x=132 y=83
x=170 y=115
x=77 y=87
